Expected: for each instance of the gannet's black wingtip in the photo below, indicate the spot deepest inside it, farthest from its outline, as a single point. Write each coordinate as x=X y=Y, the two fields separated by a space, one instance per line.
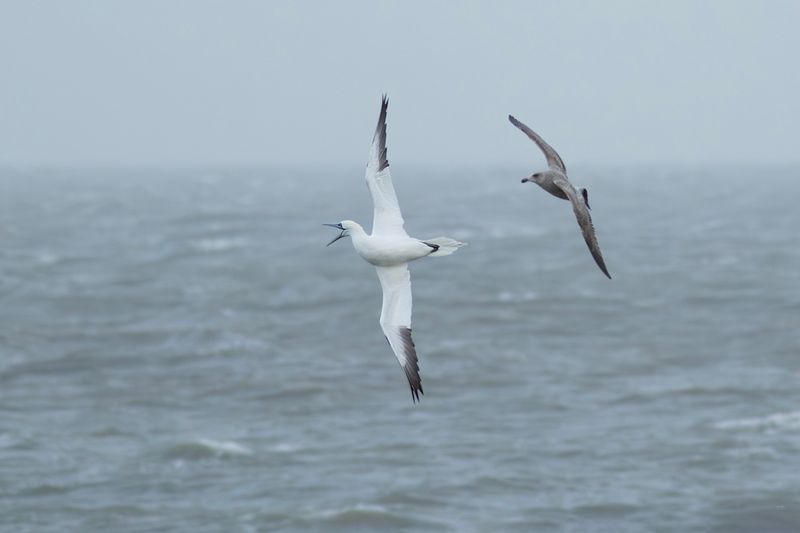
x=411 y=367
x=380 y=134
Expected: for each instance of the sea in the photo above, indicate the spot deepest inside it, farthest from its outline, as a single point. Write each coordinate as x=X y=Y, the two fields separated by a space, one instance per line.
x=181 y=352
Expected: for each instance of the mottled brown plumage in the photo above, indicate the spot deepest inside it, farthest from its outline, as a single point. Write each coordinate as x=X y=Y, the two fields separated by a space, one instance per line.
x=555 y=181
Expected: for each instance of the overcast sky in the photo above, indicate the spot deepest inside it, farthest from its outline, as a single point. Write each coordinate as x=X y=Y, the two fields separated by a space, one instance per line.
x=285 y=83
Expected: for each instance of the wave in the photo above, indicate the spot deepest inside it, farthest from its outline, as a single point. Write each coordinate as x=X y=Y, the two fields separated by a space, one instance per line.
x=698 y=391
x=207 y=449
x=46 y=489
x=46 y=257
x=362 y=515
x=514 y=297
x=284 y=447
x=219 y=245
x=790 y=420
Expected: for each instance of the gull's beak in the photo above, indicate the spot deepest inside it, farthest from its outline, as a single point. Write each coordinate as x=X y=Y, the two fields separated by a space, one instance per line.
x=524 y=180
x=339 y=227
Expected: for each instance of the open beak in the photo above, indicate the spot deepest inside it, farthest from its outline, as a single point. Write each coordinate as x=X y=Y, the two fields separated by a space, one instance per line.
x=339 y=227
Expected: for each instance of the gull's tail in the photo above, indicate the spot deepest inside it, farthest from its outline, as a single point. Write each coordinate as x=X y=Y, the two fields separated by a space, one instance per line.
x=443 y=246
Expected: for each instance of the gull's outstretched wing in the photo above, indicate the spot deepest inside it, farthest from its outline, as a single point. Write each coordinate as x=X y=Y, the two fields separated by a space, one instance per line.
x=387 y=219
x=396 y=321
x=553 y=159
x=581 y=210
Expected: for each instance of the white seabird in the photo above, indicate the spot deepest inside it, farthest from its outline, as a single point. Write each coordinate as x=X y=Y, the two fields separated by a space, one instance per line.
x=390 y=249
x=556 y=182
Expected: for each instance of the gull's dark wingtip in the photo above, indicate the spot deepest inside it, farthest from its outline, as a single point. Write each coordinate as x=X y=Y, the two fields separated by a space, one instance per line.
x=594 y=249
x=602 y=266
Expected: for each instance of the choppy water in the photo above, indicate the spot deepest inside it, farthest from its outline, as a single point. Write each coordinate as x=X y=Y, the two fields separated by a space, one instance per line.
x=179 y=351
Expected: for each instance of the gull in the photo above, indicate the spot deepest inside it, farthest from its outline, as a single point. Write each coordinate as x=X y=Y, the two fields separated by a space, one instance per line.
x=389 y=248
x=555 y=181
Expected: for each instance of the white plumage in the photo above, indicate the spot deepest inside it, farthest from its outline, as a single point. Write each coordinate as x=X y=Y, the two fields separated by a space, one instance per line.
x=390 y=249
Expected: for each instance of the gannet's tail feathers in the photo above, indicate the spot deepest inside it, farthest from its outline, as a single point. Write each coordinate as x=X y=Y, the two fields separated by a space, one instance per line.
x=443 y=246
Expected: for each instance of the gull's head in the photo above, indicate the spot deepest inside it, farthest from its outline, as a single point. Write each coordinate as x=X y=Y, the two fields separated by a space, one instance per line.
x=535 y=178
x=345 y=226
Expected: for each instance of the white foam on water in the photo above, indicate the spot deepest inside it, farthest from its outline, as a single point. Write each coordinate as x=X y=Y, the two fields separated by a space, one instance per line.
x=284 y=447
x=754 y=452
x=790 y=420
x=524 y=296
x=219 y=245
x=225 y=446
x=358 y=508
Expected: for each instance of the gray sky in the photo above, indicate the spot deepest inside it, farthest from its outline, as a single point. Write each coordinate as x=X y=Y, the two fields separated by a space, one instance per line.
x=283 y=83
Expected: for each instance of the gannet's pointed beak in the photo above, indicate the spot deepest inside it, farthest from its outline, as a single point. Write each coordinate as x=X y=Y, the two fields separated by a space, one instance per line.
x=339 y=227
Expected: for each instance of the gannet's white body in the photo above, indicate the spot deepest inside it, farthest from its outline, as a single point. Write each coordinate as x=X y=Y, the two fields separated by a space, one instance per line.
x=390 y=249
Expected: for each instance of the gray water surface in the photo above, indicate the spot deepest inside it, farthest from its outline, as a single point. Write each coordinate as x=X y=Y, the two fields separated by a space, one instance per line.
x=179 y=351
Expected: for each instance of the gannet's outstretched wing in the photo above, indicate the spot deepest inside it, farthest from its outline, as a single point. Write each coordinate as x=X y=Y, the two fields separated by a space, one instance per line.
x=396 y=321
x=387 y=219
